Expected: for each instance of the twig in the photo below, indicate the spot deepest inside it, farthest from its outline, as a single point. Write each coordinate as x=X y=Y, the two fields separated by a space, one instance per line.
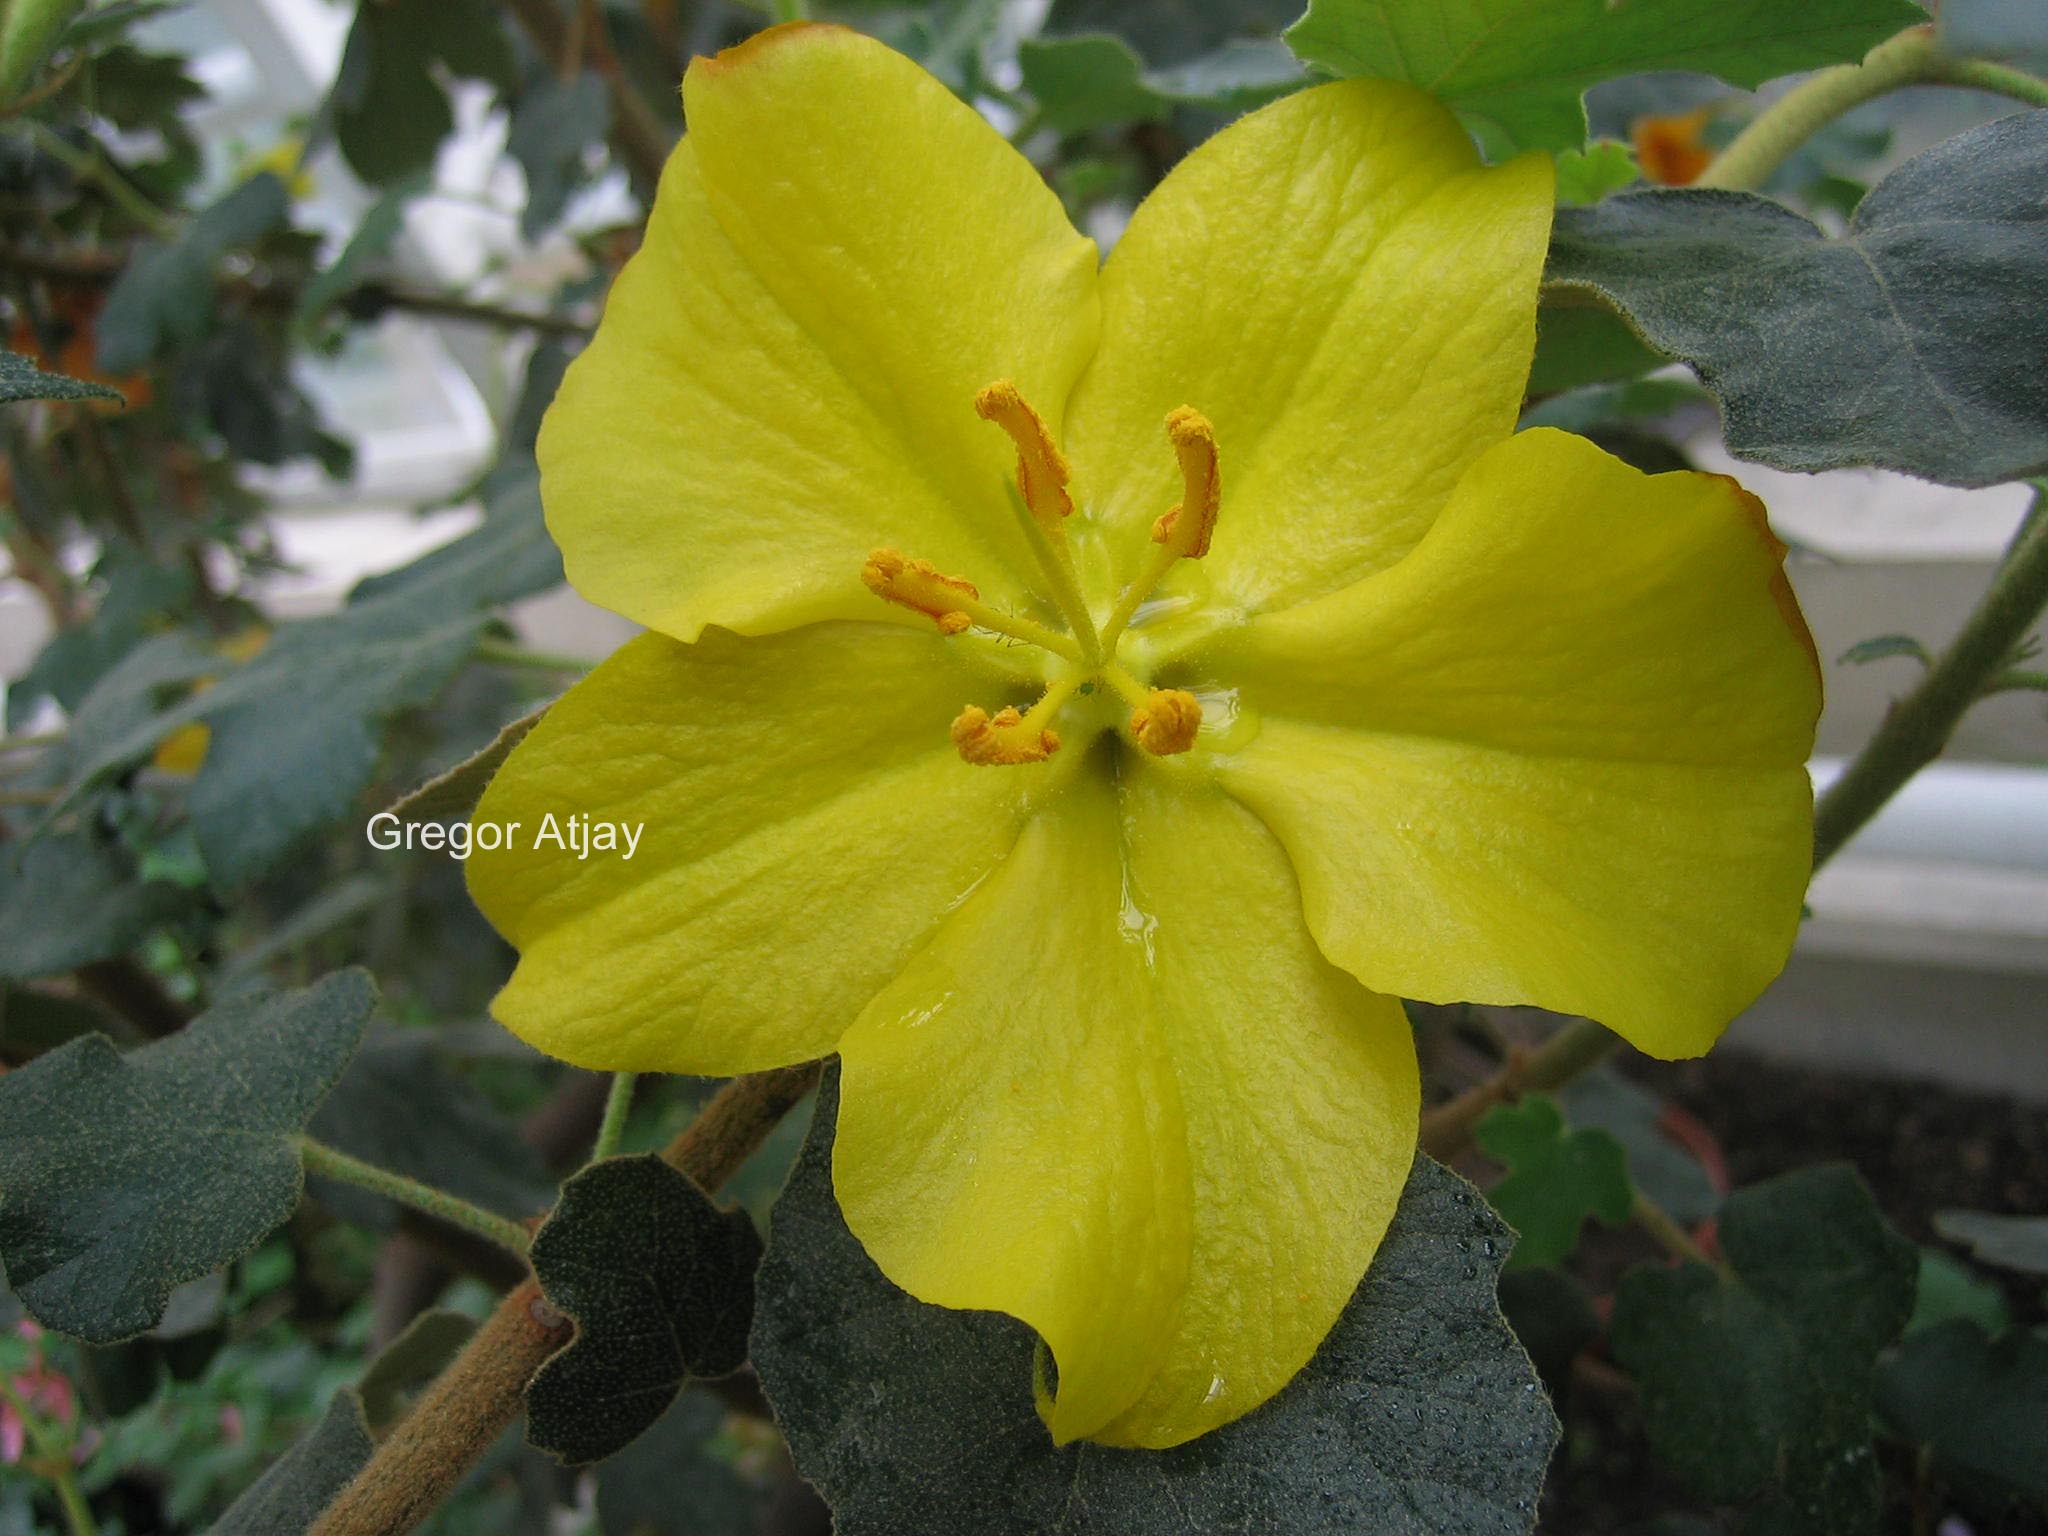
x=1910 y=58
x=333 y=1163
x=462 y=1414
x=99 y=268
x=1671 y=1236
x=1918 y=726
x=617 y=1105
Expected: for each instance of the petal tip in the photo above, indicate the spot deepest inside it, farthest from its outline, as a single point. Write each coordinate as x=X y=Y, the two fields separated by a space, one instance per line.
x=751 y=49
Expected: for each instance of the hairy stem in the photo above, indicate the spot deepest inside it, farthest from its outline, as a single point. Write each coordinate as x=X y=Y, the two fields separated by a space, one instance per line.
x=1910 y=58
x=462 y=1414
x=1670 y=1235
x=1918 y=726
x=617 y=1105
x=333 y=1163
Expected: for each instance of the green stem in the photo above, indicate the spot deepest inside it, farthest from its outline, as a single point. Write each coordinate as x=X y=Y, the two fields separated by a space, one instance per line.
x=1910 y=58
x=617 y=1105
x=333 y=1163
x=1670 y=1235
x=505 y=654
x=53 y=1452
x=789 y=10
x=1919 y=725
x=95 y=169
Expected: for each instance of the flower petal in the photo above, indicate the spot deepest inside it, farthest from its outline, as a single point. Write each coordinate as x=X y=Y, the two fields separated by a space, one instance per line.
x=1101 y=1100
x=805 y=822
x=841 y=254
x=1341 y=287
x=1555 y=756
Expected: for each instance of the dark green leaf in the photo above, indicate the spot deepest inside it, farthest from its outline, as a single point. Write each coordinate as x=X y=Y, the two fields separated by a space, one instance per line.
x=1174 y=31
x=660 y=1282
x=1949 y=1289
x=556 y=125
x=67 y=898
x=1517 y=71
x=1912 y=342
x=296 y=732
x=1095 y=80
x=390 y=112
x=409 y=1362
x=1981 y=1404
x=122 y=1177
x=129 y=710
x=21 y=379
x=1657 y=1164
x=1760 y=1382
x=1580 y=342
x=135 y=596
x=452 y=795
x=670 y=1481
x=1420 y=1414
x=1553 y=1317
x=1587 y=175
x=364 y=249
x=1879 y=647
x=164 y=299
x=1612 y=405
x=2009 y=1242
x=397 y=1107
x=1556 y=1178
x=288 y=1498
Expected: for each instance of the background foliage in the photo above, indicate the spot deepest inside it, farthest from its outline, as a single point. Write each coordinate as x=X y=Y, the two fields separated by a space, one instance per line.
x=251 y=1208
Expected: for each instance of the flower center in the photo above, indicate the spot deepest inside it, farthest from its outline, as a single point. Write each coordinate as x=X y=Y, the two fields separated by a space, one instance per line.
x=1162 y=720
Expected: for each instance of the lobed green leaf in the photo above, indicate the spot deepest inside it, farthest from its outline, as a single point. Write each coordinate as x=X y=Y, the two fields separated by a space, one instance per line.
x=1420 y=1414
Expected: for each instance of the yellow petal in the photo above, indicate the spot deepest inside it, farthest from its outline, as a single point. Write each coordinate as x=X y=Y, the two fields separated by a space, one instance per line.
x=1168 y=1138
x=1350 y=297
x=1555 y=755
x=804 y=821
x=841 y=254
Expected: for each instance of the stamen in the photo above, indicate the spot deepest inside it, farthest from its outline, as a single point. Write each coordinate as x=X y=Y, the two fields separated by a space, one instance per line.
x=1008 y=737
x=1167 y=722
x=1186 y=527
x=1183 y=532
x=953 y=602
x=1042 y=472
x=919 y=585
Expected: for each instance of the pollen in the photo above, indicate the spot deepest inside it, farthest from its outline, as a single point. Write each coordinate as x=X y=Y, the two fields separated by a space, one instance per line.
x=1167 y=721
x=1186 y=527
x=1001 y=739
x=1042 y=472
x=918 y=584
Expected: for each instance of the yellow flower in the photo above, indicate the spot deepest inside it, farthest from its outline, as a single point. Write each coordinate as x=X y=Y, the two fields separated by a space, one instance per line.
x=1086 y=697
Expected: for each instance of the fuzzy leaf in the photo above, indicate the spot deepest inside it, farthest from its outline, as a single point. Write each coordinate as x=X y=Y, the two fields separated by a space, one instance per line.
x=409 y=1362
x=1556 y=1178
x=1912 y=342
x=1982 y=1404
x=164 y=298
x=673 y=1482
x=21 y=379
x=660 y=1281
x=68 y=898
x=288 y=1498
x=555 y=125
x=1762 y=1382
x=1421 y=1414
x=390 y=112
x=1517 y=71
x=2009 y=1242
x=1096 y=79
x=122 y=1177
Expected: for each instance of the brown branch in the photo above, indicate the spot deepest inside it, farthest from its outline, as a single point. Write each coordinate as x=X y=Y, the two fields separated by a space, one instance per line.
x=99 y=268
x=1577 y=1048
x=462 y=1414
